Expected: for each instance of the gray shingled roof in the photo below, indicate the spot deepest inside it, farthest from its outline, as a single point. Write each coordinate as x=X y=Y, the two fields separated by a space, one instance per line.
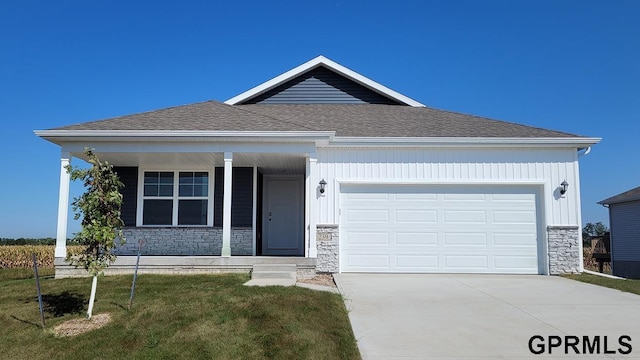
x=357 y=120
x=631 y=195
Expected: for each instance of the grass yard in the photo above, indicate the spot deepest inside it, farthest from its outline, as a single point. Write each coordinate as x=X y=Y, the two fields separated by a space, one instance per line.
x=24 y=273
x=631 y=286
x=174 y=317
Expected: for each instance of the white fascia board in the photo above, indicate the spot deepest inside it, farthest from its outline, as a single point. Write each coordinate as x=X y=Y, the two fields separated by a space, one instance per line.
x=579 y=142
x=179 y=135
x=312 y=64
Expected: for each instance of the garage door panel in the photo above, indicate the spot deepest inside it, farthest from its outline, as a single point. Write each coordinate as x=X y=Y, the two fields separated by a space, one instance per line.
x=395 y=228
x=466 y=217
x=514 y=217
x=367 y=238
x=514 y=262
x=466 y=262
x=367 y=215
x=365 y=196
x=415 y=196
x=412 y=262
x=465 y=239
x=416 y=216
x=465 y=197
x=512 y=239
x=514 y=195
x=369 y=262
x=416 y=239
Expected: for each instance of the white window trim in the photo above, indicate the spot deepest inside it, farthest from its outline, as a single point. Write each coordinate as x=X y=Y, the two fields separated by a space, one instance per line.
x=176 y=198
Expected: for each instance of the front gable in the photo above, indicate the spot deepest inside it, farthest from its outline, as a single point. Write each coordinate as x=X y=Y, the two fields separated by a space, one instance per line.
x=321 y=81
x=321 y=86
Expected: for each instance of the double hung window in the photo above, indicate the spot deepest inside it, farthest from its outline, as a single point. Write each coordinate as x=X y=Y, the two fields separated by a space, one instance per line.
x=174 y=198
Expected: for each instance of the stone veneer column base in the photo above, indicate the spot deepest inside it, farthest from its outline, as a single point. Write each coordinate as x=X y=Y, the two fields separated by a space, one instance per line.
x=564 y=249
x=327 y=239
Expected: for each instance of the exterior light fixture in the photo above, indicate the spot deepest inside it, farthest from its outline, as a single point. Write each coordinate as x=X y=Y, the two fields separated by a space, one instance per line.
x=322 y=185
x=563 y=187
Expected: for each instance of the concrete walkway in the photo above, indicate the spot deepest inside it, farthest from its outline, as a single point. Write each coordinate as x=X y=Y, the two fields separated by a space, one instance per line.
x=412 y=316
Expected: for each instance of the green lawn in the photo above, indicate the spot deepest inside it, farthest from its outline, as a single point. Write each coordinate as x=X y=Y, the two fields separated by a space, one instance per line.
x=175 y=317
x=19 y=273
x=631 y=286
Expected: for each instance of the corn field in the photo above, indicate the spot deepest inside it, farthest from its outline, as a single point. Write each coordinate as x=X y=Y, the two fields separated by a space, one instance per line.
x=591 y=264
x=19 y=256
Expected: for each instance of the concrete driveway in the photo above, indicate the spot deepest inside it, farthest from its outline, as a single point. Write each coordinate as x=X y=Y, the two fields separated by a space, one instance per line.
x=414 y=316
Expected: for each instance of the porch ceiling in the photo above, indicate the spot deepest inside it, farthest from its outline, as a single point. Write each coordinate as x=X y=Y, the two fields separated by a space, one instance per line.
x=276 y=163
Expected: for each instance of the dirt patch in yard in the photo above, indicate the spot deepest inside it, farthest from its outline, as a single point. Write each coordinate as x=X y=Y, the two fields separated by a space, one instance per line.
x=320 y=279
x=80 y=326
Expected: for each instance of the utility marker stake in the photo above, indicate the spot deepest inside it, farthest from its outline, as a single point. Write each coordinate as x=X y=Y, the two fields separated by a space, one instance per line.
x=35 y=269
x=135 y=273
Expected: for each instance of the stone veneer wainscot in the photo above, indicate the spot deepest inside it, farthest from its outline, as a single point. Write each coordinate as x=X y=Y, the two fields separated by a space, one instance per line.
x=185 y=241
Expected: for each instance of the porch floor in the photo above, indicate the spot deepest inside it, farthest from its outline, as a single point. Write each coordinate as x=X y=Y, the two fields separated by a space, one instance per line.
x=306 y=267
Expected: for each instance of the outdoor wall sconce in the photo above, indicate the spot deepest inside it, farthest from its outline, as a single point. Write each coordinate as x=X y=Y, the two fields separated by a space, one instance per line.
x=322 y=185
x=563 y=187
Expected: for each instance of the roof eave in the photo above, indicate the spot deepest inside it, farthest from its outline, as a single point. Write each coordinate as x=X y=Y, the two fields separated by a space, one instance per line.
x=627 y=196
x=65 y=136
x=612 y=201
x=332 y=65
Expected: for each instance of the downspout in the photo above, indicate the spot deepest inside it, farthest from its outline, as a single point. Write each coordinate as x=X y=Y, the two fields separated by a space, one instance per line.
x=610 y=235
x=586 y=151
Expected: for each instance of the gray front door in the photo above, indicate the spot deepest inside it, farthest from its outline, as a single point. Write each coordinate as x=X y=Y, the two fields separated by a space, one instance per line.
x=283 y=216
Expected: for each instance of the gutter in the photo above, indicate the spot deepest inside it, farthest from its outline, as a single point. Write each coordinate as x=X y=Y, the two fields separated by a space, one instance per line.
x=65 y=136
x=141 y=135
x=579 y=142
x=586 y=152
x=179 y=133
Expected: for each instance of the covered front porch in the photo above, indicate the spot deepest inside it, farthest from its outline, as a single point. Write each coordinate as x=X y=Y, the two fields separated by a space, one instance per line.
x=207 y=207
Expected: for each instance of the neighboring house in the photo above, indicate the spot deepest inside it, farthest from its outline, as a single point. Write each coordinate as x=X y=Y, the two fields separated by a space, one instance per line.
x=624 y=215
x=326 y=168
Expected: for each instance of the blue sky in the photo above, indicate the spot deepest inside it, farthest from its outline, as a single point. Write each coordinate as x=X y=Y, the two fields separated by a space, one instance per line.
x=572 y=66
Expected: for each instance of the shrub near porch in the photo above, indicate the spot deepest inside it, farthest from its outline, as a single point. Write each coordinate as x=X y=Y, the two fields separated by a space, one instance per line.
x=181 y=317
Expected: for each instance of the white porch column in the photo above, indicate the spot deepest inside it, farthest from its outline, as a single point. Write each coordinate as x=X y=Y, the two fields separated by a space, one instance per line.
x=254 y=211
x=226 y=205
x=63 y=206
x=311 y=192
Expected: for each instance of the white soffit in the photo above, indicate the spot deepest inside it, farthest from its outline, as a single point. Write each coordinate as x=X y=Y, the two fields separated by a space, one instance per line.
x=332 y=65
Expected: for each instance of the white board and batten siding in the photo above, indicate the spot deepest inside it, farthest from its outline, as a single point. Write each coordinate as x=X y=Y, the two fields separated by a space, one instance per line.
x=446 y=209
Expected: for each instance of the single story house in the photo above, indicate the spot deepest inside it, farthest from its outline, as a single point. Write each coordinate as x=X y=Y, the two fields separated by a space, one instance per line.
x=335 y=172
x=624 y=215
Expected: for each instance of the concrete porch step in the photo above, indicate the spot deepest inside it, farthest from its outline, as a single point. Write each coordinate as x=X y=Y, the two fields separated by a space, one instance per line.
x=273 y=275
x=274 y=267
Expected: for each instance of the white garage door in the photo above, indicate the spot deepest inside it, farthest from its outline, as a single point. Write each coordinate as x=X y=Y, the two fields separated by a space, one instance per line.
x=450 y=229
